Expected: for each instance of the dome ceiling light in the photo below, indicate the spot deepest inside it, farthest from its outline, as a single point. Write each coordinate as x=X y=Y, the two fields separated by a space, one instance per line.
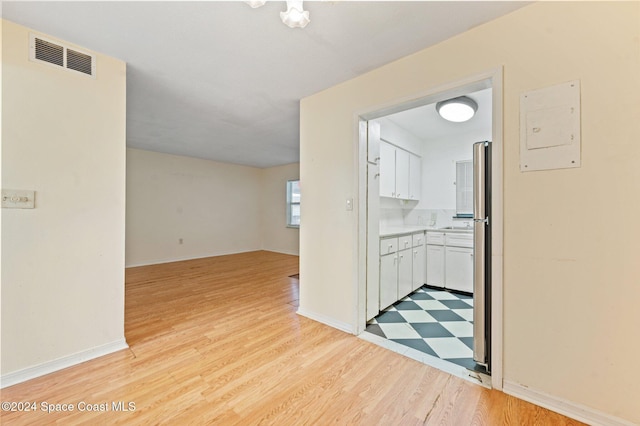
x=458 y=109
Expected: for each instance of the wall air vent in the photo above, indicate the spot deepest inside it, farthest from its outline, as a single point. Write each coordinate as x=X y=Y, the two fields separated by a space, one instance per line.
x=59 y=55
x=49 y=52
x=79 y=62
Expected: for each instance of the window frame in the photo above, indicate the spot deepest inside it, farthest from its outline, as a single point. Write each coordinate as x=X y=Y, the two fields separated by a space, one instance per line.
x=291 y=203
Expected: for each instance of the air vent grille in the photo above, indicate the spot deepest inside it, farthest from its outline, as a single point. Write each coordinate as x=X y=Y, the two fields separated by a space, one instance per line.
x=79 y=61
x=49 y=52
x=43 y=50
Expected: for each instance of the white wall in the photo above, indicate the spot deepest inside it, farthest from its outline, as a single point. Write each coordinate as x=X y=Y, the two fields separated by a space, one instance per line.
x=215 y=208
x=439 y=169
x=395 y=134
x=63 y=135
x=570 y=279
x=275 y=234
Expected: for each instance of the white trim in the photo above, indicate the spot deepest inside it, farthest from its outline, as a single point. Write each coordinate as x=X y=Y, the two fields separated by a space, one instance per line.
x=281 y=252
x=342 y=326
x=180 y=259
x=29 y=373
x=497 y=229
x=568 y=408
x=491 y=78
x=360 y=230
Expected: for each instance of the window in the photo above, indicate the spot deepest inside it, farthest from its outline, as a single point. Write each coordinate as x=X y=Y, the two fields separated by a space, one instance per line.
x=293 y=203
x=464 y=188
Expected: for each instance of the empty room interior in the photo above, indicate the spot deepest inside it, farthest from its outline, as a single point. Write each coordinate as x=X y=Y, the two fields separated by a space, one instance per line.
x=264 y=213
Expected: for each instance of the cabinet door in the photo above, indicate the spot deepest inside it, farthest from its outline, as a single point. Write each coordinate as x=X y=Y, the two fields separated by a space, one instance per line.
x=419 y=260
x=405 y=273
x=388 y=280
x=402 y=174
x=435 y=265
x=459 y=269
x=387 y=170
x=415 y=177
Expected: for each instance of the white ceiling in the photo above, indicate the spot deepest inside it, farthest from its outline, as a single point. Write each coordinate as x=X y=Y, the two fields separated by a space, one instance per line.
x=426 y=124
x=222 y=81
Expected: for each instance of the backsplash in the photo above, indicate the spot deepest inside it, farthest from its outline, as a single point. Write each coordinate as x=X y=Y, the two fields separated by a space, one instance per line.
x=437 y=218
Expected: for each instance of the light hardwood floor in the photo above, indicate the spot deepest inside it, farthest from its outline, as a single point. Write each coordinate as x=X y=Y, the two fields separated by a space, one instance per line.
x=217 y=341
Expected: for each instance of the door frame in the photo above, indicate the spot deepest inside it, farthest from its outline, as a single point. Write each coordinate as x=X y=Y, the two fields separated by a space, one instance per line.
x=493 y=79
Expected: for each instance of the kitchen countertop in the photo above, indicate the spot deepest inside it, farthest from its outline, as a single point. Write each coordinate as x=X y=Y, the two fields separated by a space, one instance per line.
x=403 y=230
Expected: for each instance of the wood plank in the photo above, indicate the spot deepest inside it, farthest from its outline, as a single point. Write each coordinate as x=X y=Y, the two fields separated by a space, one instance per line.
x=217 y=341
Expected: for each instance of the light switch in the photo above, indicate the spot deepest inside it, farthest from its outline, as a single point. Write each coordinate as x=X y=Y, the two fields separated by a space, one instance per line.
x=349 y=204
x=18 y=199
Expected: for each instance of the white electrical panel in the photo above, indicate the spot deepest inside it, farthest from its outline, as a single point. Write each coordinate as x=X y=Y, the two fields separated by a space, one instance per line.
x=18 y=199
x=550 y=128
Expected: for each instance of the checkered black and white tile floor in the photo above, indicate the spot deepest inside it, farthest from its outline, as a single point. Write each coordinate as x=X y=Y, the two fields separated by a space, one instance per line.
x=431 y=322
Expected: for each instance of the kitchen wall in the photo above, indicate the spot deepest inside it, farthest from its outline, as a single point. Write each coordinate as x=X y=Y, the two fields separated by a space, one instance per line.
x=63 y=135
x=439 y=156
x=570 y=280
x=184 y=208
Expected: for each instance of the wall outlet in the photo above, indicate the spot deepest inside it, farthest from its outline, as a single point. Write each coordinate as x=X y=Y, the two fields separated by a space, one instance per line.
x=18 y=199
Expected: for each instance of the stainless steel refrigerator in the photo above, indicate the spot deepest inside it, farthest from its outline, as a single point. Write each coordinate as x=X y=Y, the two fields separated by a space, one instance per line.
x=482 y=253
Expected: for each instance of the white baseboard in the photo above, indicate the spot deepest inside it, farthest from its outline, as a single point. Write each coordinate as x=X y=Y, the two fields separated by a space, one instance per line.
x=342 y=326
x=29 y=373
x=282 y=252
x=568 y=408
x=180 y=259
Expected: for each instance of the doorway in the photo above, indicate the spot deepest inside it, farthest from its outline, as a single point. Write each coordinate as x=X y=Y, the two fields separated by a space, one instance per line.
x=413 y=210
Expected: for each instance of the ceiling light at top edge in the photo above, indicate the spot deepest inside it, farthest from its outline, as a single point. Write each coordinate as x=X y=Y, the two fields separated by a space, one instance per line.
x=295 y=16
x=255 y=3
x=457 y=110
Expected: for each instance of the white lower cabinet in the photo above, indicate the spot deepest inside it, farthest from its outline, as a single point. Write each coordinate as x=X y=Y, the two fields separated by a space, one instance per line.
x=450 y=260
x=405 y=273
x=459 y=268
x=402 y=266
x=388 y=279
x=435 y=265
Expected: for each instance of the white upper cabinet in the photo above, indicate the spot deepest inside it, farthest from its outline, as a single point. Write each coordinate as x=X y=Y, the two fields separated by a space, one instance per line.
x=400 y=173
x=387 y=170
x=415 y=177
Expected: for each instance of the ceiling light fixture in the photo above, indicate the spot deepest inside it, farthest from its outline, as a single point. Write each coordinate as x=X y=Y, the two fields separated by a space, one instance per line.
x=295 y=16
x=256 y=3
x=458 y=109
